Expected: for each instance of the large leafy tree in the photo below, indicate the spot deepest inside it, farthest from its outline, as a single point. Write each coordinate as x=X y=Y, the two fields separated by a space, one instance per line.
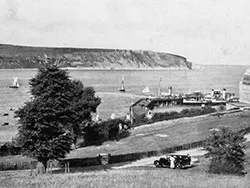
x=226 y=151
x=51 y=120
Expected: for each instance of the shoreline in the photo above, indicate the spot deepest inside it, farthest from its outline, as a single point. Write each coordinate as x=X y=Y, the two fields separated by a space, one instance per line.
x=199 y=67
x=107 y=69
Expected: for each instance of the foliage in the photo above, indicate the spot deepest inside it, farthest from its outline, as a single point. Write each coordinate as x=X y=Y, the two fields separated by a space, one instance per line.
x=10 y=149
x=50 y=121
x=98 y=132
x=142 y=119
x=222 y=107
x=17 y=162
x=226 y=151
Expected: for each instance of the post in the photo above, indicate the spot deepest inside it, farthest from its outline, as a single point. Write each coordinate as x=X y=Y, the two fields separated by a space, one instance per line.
x=68 y=167
x=131 y=115
x=50 y=165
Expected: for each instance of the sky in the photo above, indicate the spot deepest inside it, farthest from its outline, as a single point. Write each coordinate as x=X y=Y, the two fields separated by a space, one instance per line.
x=204 y=31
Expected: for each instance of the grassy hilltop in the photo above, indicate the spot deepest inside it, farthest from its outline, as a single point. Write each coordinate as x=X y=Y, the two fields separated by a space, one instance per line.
x=12 y=56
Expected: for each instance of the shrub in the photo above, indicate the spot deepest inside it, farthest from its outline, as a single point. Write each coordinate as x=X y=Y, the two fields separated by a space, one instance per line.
x=96 y=133
x=17 y=163
x=141 y=119
x=222 y=107
x=13 y=150
x=226 y=151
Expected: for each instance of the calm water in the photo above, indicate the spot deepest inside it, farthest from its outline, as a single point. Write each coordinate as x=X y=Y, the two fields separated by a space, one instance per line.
x=182 y=81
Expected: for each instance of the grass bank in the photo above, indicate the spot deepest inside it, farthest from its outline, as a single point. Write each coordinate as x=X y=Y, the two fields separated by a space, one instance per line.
x=136 y=178
x=161 y=135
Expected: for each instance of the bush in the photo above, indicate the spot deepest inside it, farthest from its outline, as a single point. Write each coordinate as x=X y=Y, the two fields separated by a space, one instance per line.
x=9 y=148
x=141 y=119
x=226 y=151
x=96 y=133
x=17 y=163
x=13 y=150
x=222 y=107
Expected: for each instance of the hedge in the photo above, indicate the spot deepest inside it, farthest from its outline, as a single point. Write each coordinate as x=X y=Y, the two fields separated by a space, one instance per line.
x=142 y=119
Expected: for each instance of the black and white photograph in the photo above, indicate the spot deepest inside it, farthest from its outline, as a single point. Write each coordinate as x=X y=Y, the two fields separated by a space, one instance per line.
x=124 y=93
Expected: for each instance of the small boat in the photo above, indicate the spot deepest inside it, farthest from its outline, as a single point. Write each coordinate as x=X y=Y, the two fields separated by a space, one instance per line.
x=146 y=90
x=15 y=83
x=122 y=89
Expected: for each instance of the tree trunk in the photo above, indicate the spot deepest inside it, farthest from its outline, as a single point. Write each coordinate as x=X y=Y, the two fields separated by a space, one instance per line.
x=45 y=164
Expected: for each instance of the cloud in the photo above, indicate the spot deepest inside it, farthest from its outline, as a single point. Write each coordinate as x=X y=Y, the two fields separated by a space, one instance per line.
x=206 y=32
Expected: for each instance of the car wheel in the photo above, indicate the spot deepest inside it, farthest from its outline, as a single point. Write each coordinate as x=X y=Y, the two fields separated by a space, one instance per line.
x=178 y=166
x=157 y=164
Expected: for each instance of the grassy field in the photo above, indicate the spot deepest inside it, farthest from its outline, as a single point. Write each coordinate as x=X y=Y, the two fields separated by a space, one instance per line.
x=124 y=178
x=136 y=177
x=165 y=134
x=143 y=176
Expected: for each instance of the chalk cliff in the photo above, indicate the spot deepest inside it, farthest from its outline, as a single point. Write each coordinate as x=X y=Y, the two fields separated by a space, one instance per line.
x=12 y=56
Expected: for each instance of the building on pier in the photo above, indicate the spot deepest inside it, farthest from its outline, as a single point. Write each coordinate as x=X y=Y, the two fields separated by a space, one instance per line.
x=244 y=87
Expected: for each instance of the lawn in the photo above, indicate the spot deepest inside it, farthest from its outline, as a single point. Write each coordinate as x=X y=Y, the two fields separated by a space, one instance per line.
x=124 y=178
x=146 y=176
x=136 y=177
x=165 y=134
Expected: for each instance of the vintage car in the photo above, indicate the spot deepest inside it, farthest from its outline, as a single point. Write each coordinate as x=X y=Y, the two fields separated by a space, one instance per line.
x=180 y=162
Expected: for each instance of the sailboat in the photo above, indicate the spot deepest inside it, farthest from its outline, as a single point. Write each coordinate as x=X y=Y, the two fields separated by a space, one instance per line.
x=146 y=90
x=122 y=89
x=15 y=83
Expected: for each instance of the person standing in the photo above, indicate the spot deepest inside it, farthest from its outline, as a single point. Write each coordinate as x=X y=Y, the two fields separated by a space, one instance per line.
x=172 y=160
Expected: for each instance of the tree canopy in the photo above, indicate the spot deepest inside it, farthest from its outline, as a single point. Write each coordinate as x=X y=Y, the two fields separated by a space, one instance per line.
x=226 y=151
x=51 y=120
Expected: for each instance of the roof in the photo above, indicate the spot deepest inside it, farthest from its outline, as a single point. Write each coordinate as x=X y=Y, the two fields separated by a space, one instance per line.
x=246 y=77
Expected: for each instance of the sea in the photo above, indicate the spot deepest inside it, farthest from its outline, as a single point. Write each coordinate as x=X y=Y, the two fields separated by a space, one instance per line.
x=107 y=82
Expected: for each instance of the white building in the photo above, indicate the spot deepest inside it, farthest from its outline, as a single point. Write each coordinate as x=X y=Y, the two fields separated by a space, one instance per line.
x=244 y=87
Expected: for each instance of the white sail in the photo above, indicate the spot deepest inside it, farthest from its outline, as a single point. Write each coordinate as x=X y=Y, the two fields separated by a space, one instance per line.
x=122 y=87
x=146 y=90
x=123 y=83
x=15 y=83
